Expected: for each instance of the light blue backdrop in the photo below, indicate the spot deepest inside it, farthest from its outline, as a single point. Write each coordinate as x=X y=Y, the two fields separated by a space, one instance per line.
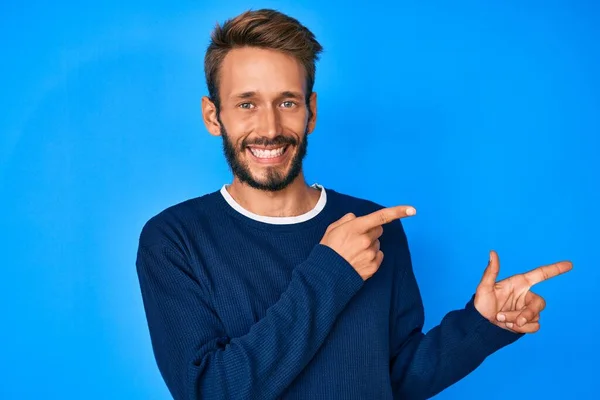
x=484 y=115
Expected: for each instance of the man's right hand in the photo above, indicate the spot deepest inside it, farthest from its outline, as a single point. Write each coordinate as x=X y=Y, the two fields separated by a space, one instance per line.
x=356 y=239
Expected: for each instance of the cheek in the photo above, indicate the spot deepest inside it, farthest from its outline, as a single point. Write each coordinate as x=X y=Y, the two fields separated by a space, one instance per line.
x=236 y=129
x=295 y=123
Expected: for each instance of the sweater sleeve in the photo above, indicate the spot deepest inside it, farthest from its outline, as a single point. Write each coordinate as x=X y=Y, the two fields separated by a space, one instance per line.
x=195 y=356
x=424 y=364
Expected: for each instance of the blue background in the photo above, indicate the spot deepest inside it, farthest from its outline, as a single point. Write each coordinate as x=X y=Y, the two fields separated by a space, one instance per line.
x=483 y=115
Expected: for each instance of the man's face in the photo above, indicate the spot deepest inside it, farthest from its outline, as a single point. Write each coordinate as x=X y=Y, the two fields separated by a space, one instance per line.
x=264 y=117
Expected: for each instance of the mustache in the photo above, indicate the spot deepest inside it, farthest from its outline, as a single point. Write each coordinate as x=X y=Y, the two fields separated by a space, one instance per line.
x=276 y=141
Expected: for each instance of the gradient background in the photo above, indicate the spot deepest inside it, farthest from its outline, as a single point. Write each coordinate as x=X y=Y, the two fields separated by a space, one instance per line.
x=485 y=116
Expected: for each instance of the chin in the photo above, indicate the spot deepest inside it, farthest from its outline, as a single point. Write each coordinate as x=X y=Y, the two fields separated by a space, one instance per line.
x=270 y=179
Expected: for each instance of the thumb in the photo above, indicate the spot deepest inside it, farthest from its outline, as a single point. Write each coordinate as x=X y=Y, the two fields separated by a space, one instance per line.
x=344 y=219
x=491 y=272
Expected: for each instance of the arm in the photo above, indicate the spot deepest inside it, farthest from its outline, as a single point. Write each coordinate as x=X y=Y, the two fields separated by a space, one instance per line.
x=194 y=354
x=423 y=365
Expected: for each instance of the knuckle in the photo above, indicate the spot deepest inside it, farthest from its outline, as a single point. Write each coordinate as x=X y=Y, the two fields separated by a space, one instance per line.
x=371 y=254
x=545 y=274
x=364 y=241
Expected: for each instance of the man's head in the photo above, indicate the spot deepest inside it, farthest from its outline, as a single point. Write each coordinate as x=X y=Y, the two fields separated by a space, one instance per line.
x=260 y=72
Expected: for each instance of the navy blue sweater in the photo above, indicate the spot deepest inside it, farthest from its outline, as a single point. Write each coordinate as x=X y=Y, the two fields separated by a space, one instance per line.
x=243 y=309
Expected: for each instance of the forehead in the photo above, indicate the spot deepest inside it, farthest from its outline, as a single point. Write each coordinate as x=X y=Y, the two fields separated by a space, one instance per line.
x=264 y=71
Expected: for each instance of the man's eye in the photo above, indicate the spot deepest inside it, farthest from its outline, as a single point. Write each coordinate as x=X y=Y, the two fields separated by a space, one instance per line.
x=288 y=104
x=246 y=105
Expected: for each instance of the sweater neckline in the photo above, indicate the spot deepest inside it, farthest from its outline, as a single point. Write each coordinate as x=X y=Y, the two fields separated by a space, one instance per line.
x=306 y=220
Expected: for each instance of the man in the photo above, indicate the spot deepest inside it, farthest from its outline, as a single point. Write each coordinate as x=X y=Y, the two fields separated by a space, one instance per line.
x=271 y=288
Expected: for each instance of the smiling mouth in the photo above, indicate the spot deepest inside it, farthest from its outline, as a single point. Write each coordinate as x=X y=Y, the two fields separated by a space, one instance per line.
x=268 y=153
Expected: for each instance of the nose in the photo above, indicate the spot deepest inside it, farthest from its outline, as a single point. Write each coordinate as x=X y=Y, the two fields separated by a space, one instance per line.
x=269 y=122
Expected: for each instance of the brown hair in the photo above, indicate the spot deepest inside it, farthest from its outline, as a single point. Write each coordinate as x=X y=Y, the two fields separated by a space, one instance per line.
x=267 y=29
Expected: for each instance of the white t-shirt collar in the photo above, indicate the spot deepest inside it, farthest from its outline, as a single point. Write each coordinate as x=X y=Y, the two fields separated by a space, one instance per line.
x=278 y=220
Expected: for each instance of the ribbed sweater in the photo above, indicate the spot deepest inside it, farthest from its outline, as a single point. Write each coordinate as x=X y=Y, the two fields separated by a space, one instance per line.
x=240 y=308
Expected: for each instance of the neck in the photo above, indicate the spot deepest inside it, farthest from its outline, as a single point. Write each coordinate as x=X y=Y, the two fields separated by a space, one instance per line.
x=296 y=199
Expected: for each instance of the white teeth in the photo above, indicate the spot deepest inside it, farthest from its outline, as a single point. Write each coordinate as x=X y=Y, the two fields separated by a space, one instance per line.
x=267 y=153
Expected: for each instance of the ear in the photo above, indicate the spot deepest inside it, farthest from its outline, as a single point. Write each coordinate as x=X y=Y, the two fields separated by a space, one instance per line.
x=312 y=105
x=210 y=117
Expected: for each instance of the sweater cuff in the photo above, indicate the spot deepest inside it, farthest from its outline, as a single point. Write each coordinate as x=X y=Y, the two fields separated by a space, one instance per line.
x=493 y=338
x=328 y=266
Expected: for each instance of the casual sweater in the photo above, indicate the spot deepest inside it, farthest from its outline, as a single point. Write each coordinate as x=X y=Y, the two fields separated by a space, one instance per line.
x=244 y=307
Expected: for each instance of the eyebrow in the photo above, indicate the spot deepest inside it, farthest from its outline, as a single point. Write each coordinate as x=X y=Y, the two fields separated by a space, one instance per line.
x=286 y=93
x=294 y=95
x=245 y=95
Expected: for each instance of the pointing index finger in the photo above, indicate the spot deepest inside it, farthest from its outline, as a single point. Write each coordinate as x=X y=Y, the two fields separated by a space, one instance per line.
x=383 y=216
x=546 y=272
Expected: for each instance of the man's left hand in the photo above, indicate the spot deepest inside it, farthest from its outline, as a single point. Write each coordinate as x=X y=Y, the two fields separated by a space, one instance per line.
x=509 y=303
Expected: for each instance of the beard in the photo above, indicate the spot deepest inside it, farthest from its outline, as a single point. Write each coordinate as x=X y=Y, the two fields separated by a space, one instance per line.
x=275 y=179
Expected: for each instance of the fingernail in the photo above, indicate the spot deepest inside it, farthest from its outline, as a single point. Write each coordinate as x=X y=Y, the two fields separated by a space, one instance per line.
x=509 y=325
x=501 y=317
x=521 y=321
x=411 y=211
